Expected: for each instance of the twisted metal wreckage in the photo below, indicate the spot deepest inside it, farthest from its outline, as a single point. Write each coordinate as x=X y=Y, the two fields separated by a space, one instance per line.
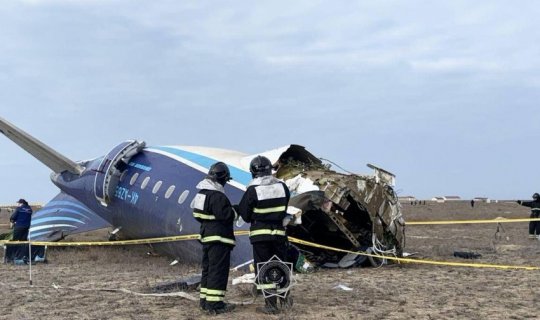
x=354 y=212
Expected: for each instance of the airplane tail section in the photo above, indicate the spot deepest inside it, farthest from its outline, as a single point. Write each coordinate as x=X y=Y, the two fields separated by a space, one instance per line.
x=63 y=216
x=48 y=156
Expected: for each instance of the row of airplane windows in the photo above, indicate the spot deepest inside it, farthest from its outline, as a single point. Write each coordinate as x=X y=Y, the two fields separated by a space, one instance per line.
x=183 y=196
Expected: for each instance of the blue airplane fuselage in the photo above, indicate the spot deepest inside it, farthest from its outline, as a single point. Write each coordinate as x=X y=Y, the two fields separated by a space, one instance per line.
x=152 y=199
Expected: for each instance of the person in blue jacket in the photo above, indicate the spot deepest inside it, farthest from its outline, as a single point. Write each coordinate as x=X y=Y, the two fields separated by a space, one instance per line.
x=20 y=220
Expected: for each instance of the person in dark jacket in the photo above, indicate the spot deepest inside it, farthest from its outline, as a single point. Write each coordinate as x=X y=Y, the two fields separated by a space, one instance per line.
x=534 y=226
x=20 y=220
x=213 y=210
x=264 y=206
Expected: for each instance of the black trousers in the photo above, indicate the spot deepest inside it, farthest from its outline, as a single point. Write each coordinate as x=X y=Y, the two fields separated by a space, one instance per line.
x=265 y=250
x=20 y=233
x=18 y=251
x=534 y=226
x=215 y=274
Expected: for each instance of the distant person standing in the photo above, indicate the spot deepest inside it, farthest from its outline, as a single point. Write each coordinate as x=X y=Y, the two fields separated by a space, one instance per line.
x=472 y=203
x=20 y=220
x=534 y=226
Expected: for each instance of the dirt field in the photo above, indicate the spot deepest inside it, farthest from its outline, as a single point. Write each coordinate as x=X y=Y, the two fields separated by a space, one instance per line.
x=406 y=291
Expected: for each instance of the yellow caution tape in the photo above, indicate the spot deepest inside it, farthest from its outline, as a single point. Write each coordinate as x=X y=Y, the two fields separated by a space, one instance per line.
x=116 y=243
x=497 y=220
x=291 y=239
x=421 y=261
x=106 y=243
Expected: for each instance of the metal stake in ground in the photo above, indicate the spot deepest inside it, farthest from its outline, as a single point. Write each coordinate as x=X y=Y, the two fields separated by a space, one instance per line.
x=30 y=260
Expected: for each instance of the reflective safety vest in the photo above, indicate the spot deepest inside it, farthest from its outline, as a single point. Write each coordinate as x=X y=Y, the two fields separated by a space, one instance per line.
x=215 y=213
x=265 y=206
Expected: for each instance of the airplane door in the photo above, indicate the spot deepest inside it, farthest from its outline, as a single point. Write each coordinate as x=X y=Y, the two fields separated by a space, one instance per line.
x=112 y=166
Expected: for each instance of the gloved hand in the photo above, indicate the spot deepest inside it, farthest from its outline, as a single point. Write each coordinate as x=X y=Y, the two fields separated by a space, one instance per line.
x=11 y=225
x=287 y=220
x=236 y=214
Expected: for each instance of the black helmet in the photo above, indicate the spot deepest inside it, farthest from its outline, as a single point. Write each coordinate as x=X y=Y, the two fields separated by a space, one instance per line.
x=219 y=172
x=22 y=201
x=260 y=166
x=536 y=196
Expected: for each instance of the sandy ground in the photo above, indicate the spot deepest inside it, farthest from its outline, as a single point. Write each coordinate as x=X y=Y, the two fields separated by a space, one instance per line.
x=405 y=291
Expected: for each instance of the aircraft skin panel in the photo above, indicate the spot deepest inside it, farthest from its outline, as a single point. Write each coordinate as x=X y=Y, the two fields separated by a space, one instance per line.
x=230 y=157
x=241 y=177
x=63 y=216
x=154 y=215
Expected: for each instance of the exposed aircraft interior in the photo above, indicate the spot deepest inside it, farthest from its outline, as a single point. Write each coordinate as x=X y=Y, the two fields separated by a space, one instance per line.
x=340 y=210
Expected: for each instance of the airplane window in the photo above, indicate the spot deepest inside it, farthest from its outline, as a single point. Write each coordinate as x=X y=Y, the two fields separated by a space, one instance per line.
x=145 y=182
x=169 y=192
x=134 y=178
x=183 y=196
x=123 y=175
x=156 y=187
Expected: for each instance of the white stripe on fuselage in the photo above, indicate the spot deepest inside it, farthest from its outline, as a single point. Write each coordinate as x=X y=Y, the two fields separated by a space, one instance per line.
x=193 y=165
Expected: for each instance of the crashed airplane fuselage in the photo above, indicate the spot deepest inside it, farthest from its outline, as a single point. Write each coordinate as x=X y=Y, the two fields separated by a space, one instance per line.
x=145 y=192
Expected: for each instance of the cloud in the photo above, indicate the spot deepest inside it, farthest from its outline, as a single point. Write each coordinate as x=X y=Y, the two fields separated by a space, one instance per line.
x=376 y=76
x=455 y=65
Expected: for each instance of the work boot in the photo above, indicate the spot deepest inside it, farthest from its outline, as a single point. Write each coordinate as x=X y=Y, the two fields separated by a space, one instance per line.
x=222 y=308
x=202 y=304
x=270 y=306
x=286 y=303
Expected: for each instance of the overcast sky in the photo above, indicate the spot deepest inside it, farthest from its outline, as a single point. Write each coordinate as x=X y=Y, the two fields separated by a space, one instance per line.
x=444 y=94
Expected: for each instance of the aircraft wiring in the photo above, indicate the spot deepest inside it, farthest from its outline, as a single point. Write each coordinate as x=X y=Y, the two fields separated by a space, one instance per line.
x=337 y=165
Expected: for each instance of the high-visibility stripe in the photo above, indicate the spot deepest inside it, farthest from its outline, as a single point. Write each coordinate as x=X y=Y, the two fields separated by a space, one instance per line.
x=267 y=232
x=218 y=238
x=269 y=210
x=202 y=294
x=204 y=216
x=266 y=286
x=214 y=298
x=534 y=209
x=215 y=292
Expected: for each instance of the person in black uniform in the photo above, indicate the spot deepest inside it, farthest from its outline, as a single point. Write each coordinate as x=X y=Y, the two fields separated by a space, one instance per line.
x=213 y=210
x=20 y=221
x=264 y=206
x=534 y=226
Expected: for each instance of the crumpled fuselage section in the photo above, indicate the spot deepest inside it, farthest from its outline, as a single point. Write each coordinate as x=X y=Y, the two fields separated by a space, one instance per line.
x=346 y=211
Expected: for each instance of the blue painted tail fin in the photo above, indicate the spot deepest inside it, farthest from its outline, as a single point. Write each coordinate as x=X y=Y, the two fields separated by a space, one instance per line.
x=63 y=216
